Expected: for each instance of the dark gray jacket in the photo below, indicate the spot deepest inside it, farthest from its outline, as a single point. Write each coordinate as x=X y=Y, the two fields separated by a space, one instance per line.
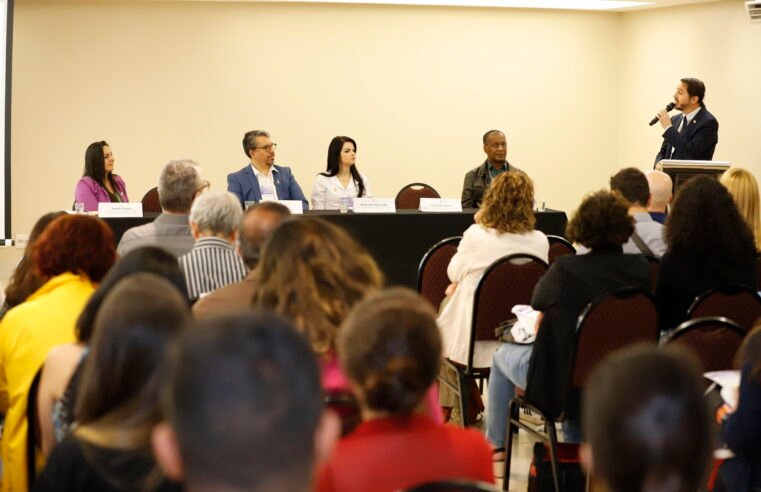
x=476 y=182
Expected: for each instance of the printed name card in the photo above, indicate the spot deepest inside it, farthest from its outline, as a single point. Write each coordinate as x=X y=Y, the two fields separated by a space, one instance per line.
x=374 y=205
x=440 y=205
x=107 y=209
x=295 y=206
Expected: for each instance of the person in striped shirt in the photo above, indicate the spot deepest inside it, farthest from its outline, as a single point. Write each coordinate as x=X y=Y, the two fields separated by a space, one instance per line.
x=213 y=262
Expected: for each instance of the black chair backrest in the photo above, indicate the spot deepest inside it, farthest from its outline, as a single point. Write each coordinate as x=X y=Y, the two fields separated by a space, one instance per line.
x=613 y=321
x=432 y=278
x=508 y=281
x=409 y=196
x=453 y=486
x=345 y=405
x=714 y=340
x=150 y=201
x=655 y=265
x=739 y=303
x=559 y=246
x=33 y=436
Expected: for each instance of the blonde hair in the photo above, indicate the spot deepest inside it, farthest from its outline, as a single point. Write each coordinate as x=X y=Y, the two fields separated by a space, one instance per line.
x=508 y=204
x=744 y=190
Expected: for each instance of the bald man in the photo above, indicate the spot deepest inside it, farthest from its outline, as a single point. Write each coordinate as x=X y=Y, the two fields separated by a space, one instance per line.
x=255 y=228
x=660 y=193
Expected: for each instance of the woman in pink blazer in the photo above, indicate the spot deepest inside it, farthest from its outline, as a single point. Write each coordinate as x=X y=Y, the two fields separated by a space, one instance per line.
x=99 y=183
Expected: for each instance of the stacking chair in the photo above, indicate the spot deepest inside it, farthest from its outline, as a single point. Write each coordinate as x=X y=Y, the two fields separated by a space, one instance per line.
x=655 y=265
x=624 y=317
x=409 y=196
x=559 y=246
x=453 y=486
x=713 y=340
x=345 y=405
x=432 y=278
x=150 y=201
x=33 y=430
x=508 y=281
x=739 y=303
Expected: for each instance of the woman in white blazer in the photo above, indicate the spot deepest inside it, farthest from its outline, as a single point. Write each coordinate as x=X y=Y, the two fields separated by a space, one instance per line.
x=504 y=225
x=341 y=181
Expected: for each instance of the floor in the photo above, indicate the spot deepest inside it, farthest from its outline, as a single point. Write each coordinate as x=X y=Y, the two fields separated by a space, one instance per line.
x=521 y=461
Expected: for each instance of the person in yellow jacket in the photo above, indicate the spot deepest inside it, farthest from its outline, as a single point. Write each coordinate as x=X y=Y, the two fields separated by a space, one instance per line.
x=72 y=255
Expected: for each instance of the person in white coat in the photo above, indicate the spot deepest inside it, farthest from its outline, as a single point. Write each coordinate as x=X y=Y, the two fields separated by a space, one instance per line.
x=341 y=181
x=504 y=225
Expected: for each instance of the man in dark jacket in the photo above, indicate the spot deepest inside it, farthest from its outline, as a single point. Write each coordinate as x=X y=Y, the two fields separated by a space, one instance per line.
x=478 y=179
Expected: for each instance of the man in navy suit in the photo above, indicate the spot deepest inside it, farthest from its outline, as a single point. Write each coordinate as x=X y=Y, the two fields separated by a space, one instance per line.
x=693 y=134
x=261 y=179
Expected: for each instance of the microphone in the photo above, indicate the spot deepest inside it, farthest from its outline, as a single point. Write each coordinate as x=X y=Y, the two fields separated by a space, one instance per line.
x=668 y=108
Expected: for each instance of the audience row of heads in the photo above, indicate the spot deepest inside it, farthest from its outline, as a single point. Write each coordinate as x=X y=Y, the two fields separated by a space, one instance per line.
x=321 y=293
x=155 y=378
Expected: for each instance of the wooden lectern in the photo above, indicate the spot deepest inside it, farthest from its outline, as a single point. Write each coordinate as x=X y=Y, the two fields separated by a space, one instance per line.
x=681 y=171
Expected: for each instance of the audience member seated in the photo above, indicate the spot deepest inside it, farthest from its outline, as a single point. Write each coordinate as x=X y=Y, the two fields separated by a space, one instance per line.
x=742 y=428
x=504 y=226
x=647 y=237
x=744 y=190
x=24 y=279
x=709 y=245
x=258 y=378
x=62 y=372
x=118 y=405
x=99 y=183
x=647 y=424
x=603 y=225
x=313 y=272
x=213 y=261
x=70 y=256
x=261 y=179
x=661 y=193
x=390 y=349
x=341 y=182
x=179 y=184
x=255 y=228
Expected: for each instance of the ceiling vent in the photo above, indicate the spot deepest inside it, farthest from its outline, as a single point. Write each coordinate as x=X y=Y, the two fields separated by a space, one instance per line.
x=753 y=7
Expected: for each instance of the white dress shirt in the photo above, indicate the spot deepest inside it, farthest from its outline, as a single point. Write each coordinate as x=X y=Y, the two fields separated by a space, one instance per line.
x=327 y=192
x=266 y=182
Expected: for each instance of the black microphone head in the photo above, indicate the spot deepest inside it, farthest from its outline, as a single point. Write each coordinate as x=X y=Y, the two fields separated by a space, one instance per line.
x=670 y=106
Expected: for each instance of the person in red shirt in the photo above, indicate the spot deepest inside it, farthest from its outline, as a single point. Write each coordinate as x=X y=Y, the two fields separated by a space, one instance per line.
x=390 y=349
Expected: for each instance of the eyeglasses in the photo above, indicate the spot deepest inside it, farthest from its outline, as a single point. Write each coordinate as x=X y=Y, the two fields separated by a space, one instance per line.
x=268 y=148
x=498 y=146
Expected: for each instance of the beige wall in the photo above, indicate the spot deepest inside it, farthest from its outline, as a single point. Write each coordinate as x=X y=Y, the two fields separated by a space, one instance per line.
x=714 y=42
x=415 y=86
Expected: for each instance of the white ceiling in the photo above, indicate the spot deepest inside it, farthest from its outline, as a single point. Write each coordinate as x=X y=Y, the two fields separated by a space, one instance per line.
x=562 y=4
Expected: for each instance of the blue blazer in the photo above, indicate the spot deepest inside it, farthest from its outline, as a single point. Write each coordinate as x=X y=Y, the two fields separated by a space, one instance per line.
x=696 y=143
x=245 y=186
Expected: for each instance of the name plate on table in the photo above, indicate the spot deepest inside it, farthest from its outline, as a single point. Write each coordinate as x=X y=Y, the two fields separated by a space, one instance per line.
x=108 y=210
x=374 y=205
x=440 y=205
x=295 y=206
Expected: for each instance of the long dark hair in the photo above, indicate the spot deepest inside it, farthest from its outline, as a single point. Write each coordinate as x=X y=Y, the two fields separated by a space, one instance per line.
x=148 y=259
x=334 y=161
x=705 y=226
x=95 y=163
x=121 y=382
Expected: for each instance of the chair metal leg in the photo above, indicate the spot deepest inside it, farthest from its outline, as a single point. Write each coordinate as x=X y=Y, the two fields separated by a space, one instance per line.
x=462 y=382
x=512 y=413
x=553 y=452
